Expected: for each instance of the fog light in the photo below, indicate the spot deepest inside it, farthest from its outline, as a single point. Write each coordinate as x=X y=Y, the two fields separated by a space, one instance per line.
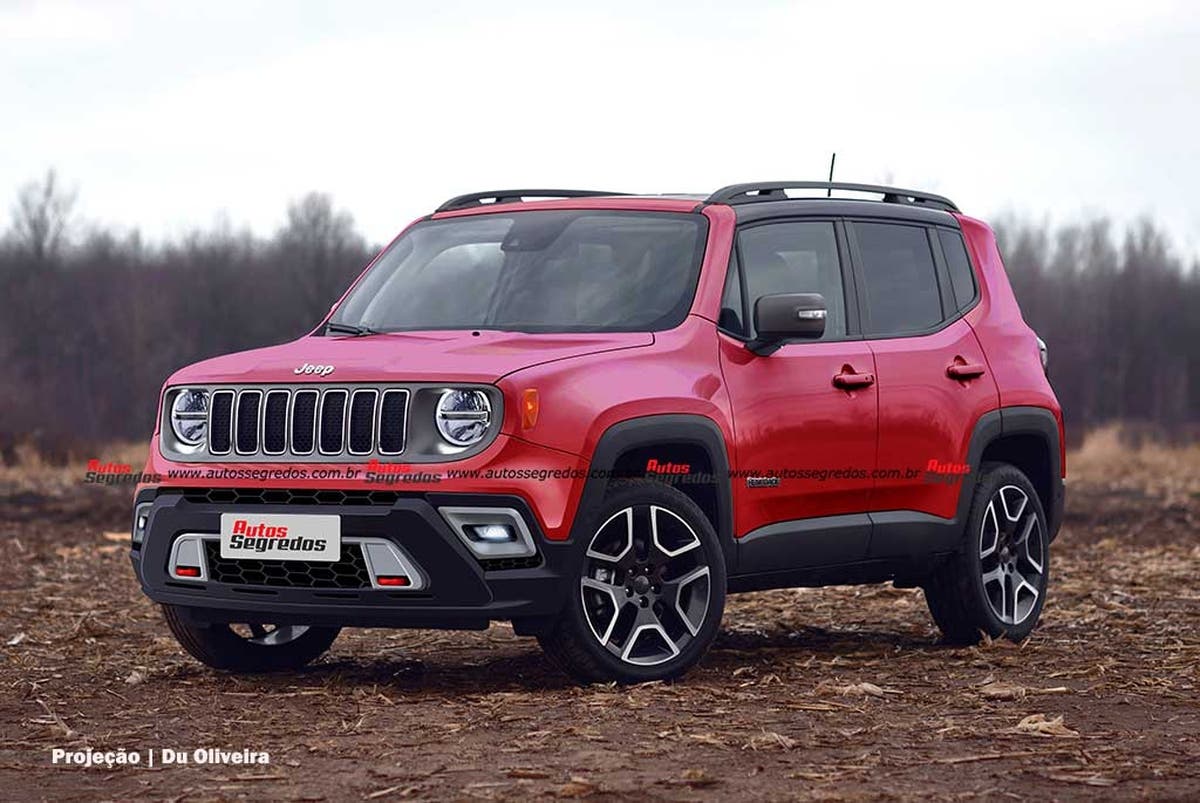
x=393 y=580
x=491 y=533
x=141 y=517
x=187 y=571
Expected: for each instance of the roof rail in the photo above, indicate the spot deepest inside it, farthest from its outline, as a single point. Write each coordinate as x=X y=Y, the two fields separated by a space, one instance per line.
x=773 y=191
x=515 y=196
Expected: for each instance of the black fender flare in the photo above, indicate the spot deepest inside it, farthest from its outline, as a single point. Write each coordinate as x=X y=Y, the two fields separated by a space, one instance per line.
x=652 y=430
x=1018 y=420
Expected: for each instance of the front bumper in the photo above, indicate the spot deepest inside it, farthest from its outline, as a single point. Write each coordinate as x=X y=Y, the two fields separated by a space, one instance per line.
x=461 y=590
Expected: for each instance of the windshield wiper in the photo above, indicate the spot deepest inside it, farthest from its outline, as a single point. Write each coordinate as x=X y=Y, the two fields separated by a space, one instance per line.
x=350 y=329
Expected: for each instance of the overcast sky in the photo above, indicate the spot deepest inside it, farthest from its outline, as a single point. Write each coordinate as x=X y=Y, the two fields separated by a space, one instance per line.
x=167 y=115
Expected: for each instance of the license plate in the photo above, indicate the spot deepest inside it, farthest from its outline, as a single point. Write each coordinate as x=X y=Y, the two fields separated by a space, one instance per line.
x=281 y=537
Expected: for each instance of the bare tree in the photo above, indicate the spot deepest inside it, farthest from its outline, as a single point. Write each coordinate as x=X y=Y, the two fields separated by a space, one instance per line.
x=41 y=217
x=318 y=244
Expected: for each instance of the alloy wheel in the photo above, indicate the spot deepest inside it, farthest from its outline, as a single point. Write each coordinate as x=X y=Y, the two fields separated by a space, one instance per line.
x=1011 y=555
x=646 y=585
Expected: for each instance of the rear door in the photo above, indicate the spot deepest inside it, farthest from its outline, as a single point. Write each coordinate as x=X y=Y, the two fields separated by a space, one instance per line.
x=804 y=448
x=931 y=374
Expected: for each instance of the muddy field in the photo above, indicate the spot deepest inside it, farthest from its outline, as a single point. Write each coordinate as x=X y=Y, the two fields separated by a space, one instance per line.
x=837 y=693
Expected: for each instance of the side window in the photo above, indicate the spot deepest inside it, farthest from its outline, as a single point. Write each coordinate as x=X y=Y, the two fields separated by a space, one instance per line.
x=899 y=277
x=962 y=278
x=794 y=257
x=731 y=300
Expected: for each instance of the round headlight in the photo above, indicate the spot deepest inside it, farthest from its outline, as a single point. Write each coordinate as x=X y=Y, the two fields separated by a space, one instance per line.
x=463 y=416
x=189 y=416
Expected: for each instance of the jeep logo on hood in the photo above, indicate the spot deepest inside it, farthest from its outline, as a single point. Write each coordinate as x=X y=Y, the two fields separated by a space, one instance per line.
x=319 y=370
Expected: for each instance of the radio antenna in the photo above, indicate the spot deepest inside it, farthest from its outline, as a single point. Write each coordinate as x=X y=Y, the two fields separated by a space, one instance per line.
x=832 y=159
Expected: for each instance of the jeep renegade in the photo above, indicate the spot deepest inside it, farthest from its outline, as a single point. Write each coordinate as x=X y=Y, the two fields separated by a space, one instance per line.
x=593 y=415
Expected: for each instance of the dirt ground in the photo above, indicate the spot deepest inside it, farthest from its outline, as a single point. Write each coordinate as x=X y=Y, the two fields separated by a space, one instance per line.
x=832 y=694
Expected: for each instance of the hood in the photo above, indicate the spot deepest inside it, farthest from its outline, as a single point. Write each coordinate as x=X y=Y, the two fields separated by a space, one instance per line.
x=457 y=356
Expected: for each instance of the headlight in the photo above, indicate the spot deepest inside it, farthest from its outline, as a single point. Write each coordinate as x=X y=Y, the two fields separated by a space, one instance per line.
x=463 y=416
x=189 y=416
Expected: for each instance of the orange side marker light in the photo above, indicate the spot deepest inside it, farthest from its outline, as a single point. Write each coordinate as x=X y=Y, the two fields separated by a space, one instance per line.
x=529 y=408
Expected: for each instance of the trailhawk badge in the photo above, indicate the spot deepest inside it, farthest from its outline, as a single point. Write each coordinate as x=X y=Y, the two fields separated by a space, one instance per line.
x=319 y=370
x=281 y=537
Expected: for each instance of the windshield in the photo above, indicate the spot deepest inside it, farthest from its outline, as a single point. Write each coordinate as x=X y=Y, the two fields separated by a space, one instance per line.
x=547 y=271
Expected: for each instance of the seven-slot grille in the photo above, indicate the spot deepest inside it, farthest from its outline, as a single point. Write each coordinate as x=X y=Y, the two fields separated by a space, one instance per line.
x=328 y=421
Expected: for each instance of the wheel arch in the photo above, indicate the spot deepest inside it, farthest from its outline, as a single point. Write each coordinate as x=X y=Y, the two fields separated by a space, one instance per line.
x=625 y=447
x=1025 y=437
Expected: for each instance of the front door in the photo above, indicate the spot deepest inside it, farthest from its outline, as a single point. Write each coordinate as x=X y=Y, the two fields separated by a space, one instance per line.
x=804 y=446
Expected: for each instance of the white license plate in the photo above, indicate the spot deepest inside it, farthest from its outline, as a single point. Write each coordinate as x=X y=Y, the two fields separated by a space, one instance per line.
x=281 y=537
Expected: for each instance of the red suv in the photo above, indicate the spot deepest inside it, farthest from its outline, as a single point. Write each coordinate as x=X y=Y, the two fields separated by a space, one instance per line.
x=595 y=414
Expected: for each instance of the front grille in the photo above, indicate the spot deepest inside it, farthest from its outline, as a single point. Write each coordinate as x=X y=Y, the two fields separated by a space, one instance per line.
x=246 y=422
x=284 y=496
x=220 y=422
x=275 y=422
x=349 y=571
x=337 y=422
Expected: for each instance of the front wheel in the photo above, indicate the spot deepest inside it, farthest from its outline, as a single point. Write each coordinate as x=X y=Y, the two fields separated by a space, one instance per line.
x=249 y=648
x=650 y=593
x=996 y=583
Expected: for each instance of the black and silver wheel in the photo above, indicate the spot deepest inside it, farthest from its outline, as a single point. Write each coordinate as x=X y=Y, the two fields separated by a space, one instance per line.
x=650 y=593
x=997 y=583
x=248 y=647
x=1012 y=555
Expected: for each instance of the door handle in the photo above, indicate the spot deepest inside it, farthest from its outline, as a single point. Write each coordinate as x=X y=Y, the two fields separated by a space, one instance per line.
x=848 y=380
x=964 y=371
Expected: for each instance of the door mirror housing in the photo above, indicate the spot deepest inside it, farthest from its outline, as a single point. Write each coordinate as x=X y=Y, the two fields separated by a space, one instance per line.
x=786 y=316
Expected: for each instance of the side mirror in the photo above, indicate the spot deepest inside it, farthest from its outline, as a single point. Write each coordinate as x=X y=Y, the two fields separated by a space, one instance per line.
x=785 y=316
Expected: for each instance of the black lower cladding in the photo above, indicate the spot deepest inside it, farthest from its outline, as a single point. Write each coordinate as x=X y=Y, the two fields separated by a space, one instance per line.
x=460 y=591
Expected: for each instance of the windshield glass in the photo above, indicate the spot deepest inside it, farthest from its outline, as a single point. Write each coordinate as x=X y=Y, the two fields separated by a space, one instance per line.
x=547 y=271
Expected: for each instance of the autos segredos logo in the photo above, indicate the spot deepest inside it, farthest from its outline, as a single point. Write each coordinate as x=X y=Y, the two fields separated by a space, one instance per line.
x=319 y=370
x=267 y=538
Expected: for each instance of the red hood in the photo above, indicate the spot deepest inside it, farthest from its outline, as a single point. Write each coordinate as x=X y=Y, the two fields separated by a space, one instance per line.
x=455 y=356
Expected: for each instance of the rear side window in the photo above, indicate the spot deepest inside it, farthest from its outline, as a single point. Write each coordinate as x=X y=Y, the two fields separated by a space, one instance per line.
x=794 y=257
x=899 y=277
x=962 y=278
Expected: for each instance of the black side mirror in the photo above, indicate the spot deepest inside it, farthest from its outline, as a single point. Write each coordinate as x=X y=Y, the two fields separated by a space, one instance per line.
x=786 y=316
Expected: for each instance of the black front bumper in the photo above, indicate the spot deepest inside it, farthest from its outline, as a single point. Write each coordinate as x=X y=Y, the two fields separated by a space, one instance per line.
x=461 y=592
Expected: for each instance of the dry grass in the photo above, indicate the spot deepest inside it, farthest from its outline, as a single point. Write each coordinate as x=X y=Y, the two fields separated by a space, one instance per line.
x=1107 y=460
x=34 y=472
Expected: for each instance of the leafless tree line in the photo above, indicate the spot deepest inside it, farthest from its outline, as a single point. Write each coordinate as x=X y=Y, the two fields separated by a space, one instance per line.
x=1120 y=312
x=92 y=320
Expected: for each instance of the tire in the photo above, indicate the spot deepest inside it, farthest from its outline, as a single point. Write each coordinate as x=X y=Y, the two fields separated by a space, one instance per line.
x=647 y=603
x=996 y=583
x=221 y=647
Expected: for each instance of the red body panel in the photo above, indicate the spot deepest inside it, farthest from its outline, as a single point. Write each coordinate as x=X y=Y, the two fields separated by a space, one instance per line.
x=438 y=356
x=1009 y=345
x=926 y=415
x=788 y=418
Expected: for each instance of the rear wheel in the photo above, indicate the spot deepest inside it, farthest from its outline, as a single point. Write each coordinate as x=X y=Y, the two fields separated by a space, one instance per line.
x=650 y=594
x=249 y=647
x=996 y=584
